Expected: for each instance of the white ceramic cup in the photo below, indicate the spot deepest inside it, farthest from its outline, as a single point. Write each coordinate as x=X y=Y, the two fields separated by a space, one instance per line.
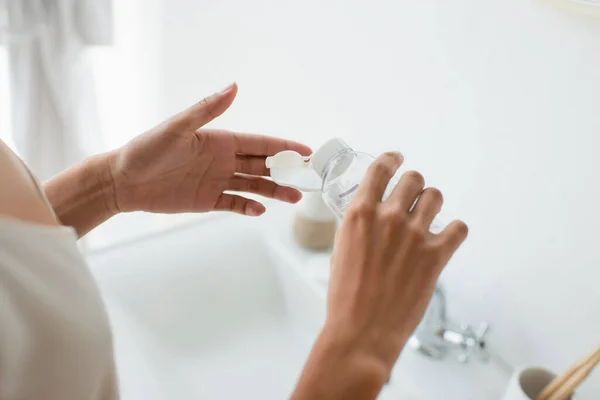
x=527 y=383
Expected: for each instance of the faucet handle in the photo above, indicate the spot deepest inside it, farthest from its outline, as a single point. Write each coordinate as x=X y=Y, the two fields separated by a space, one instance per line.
x=470 y=342
x=474 y=343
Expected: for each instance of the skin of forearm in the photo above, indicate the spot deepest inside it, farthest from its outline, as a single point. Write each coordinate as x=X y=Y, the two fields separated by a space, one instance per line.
x=84 y=196
x=337 y=369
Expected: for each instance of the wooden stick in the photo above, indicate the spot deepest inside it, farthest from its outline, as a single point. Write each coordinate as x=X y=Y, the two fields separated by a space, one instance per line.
x=569 y=387
x=571 y=376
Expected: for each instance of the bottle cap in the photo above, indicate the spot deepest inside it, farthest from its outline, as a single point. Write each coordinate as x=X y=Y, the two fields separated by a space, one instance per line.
x=326 y=152
x=289 y=168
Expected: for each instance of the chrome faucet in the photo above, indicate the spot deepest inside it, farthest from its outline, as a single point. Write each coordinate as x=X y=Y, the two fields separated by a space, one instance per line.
x=437 y=336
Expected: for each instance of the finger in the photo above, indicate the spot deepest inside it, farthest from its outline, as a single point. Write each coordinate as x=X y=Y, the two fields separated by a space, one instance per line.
x=251 y=165
x=264 y=187
x=406 y=191
x=378 y=176
x=239 y=204
x=205 y=110
x=452 y=237
x=428 y=206
x=262 y=145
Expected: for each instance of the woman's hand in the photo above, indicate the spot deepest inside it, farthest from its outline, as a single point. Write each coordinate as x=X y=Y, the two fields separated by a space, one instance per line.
x=175 y=167
x=383 y=273
x=386 y=262
x=178 y=167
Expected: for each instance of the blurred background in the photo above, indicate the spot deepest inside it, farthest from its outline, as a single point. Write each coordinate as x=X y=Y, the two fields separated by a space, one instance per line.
x=495 y=101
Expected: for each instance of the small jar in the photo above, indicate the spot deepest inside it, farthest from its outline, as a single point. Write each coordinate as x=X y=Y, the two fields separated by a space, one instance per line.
x=314 y=224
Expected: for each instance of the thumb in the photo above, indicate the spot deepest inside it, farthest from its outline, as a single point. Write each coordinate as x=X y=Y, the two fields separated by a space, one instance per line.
x=206 y=109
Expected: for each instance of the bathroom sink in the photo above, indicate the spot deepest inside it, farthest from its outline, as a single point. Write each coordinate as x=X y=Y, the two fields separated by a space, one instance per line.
x=228 y=307
x=198 y=313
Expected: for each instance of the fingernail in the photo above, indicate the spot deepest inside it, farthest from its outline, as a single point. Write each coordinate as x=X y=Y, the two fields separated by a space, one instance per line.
x=228 y=89
x=255 y=210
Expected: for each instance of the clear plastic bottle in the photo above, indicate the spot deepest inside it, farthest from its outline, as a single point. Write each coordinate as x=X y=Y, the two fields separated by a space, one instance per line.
x=339 y=170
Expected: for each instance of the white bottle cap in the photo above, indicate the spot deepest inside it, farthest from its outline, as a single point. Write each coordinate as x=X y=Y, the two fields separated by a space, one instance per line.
x=289 y=168
x=326 y=152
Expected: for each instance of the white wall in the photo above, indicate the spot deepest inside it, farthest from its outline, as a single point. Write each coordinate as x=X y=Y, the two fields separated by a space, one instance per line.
x=125 y=73
x=497 y=102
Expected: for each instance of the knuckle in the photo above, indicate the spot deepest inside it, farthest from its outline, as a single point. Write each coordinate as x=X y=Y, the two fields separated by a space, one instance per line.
x=204 y=102
x=415 y=177
x=432 y=249
x=206 y=105
x=382 y=167
x=264 y=140
x=392 y=215
x=253 y=185
x=272 y=189
x=231 y=202
x=416 y=231
x=236 y=204
x=360 y=210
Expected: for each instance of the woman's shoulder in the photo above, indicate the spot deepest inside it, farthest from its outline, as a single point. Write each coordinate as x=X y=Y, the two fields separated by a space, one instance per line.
x=19 y=195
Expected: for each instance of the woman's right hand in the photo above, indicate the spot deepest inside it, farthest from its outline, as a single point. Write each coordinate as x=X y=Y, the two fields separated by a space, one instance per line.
x=384 y=270
x=386 y=262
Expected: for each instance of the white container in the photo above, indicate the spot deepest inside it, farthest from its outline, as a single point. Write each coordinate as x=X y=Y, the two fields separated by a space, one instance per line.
x=314 y=224
x=341 y=170
x=527 y=383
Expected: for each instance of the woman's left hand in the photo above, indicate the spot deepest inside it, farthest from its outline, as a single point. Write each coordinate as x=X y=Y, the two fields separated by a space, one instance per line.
x=178 y=167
